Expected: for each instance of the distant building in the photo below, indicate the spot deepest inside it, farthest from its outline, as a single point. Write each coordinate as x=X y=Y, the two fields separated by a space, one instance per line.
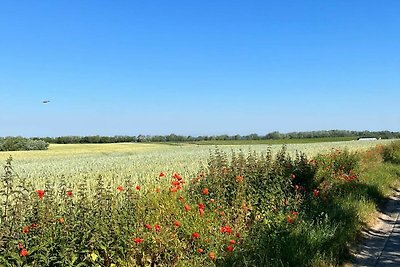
x=367 y=138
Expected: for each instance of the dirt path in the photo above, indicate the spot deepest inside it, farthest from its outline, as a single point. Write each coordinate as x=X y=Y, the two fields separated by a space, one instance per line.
x=381 y=243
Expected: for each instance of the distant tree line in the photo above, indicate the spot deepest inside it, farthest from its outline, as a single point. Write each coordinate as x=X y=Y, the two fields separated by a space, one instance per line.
x=20 y=143
x=42 y=143
x=96 y=139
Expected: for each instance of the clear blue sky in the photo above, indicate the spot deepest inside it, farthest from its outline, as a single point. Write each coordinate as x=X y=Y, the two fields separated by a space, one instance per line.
x=198 y=67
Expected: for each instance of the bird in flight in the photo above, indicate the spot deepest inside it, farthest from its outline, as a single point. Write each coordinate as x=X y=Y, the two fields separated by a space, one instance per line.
x=45 y=101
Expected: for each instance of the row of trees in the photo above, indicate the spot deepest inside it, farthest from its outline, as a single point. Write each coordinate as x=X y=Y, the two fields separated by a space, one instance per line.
x=181 y=138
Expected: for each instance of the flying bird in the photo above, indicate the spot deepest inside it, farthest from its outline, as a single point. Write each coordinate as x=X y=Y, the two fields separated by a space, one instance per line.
x=45 y=101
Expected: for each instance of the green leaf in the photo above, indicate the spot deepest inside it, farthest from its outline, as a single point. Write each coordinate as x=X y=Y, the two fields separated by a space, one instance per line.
x=81 y=264
x=74 y=257
x=94 y=256
x=16 y=257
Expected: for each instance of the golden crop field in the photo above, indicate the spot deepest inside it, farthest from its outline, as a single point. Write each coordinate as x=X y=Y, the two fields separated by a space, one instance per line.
x=138 y=162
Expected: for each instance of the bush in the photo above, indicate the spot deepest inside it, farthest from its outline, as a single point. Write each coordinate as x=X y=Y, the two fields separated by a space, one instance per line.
x=391 y=153
x=21 y=143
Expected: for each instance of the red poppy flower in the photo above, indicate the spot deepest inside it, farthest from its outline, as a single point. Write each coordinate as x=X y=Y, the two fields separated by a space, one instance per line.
x=175 y=183
x=177 y=224
x=239 y=178
x=201 y=206
x=290 y=219
x=211 y=255
x=200 y=250
x=229 y=248
x=226 y=229
x=173 y=189
x=40 y=193
x=20 y=246
x=201 y=212
x=138 y=187
x=205 y=191
x=148 y=226
x=33 y=225
x=61 y=220
x=195 y=235
x=187 y=207
x=23 y=253
x=315 y=193
x=138 y=240
x=157 y=227
x=120 y=188
x=237 y=235
x=161 y=174
x=69 y=193
x=158 y=190
x=292 y=176
x=232 y=241
x=177 y=176
x=25 y=230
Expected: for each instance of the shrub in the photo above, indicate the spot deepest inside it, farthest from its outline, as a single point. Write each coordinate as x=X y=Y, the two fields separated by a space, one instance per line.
x=391 y=153
x=21 y=143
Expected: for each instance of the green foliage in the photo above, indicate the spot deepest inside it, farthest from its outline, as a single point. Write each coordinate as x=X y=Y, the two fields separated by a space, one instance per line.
x=335 y=168
x=21 y=143
x=391 y=153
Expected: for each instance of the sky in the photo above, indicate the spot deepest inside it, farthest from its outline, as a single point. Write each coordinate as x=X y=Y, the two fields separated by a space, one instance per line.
x=198 y=67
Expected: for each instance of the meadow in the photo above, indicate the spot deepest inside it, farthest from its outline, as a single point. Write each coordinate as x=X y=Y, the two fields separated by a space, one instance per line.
x=133 y=204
